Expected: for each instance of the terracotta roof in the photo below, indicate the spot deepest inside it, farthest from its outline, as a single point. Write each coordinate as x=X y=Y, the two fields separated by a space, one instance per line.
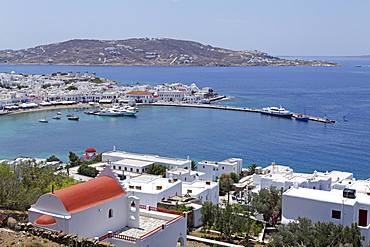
x=45 y=220
x=139 y=93
x=90 y=193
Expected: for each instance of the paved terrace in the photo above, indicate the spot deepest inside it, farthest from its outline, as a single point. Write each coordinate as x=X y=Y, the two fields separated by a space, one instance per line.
x=147 y=224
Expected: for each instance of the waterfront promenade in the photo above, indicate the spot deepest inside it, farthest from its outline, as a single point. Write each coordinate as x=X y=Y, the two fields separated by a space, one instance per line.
x=163 y=103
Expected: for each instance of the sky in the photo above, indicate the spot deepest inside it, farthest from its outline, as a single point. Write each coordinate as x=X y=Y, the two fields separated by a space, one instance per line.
x=277 y=27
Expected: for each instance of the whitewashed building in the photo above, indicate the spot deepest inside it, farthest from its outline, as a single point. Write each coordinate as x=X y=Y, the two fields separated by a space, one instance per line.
x=213 y=170
x=101 y=209
x=140 y=97
x=118 y=158
x=185 y=175
x=171 y=95
x=283 y=177
x=151 y=188
x=348 y=203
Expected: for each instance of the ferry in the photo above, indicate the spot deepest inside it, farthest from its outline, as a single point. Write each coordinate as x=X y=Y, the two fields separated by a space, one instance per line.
x=276 y=111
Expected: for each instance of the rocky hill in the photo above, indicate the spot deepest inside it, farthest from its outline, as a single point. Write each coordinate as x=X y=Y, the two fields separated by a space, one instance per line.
x=144 y=51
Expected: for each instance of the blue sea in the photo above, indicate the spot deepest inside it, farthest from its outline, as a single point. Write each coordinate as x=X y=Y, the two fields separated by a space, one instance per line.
x=342 y=93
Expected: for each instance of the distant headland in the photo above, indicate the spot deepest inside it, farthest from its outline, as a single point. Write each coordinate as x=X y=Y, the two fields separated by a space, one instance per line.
x=146 y=52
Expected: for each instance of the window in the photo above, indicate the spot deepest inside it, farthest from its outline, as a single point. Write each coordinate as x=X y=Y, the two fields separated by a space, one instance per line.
x=125 y=168
x=114 y=167
x=131 y=169
x=335 y=214
x=110 y=213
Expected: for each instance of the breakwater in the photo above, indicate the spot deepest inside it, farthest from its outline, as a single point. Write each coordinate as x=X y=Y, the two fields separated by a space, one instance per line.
x=232 y=108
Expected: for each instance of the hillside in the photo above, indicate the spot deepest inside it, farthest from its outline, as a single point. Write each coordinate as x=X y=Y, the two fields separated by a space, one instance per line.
x=144 y=51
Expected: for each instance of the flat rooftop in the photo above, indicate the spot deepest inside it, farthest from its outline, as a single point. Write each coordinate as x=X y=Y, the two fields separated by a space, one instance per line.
x=131 y=162
x=146 y=225
x=147 y=157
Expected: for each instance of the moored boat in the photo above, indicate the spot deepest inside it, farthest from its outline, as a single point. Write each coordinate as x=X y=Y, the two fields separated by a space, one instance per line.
x=276 y=111
x=300 y=117
x=43 y=120
x=118 y=111
x=73 y=118
x=57 y=117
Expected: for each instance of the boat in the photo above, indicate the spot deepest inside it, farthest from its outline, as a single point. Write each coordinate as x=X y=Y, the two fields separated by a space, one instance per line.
x=69 y=115
x=57 y=117
x=117 y=111
x=111 y=112
x=73 y=118
x=276 y=111
x=43 y=120
x=92 y=112
x=59 y=113
x=300 y=117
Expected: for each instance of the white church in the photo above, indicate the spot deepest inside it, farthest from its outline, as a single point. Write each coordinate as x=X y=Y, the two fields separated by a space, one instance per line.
x=101 y=209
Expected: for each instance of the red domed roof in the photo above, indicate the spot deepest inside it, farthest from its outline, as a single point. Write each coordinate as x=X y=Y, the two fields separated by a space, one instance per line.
x=45 y=220
x=90 y=150
x=87 y=194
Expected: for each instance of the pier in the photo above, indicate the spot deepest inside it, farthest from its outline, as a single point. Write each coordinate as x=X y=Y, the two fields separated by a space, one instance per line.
x=232 y=108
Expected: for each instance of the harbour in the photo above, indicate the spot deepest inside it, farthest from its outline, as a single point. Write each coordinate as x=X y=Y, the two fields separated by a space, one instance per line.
x=210 y=134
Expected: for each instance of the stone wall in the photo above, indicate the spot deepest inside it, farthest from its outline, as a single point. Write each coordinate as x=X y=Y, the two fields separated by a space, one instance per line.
x=62 y=238
x=8 y=220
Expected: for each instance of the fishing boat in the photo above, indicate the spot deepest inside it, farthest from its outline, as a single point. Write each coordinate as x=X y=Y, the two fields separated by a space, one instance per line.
x=300 y=117
x=276 y=111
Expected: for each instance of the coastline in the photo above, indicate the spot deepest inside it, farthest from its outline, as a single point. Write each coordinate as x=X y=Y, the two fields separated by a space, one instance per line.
x=45 y=108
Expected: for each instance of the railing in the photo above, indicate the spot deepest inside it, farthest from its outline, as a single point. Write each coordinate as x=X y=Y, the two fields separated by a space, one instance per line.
x=148 y=234
x=116 y=235
x=174 y=220
x=165 y=210
x=154 y=231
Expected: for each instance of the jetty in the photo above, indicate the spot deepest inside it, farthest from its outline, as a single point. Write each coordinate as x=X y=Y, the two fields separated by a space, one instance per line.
x=232 y=108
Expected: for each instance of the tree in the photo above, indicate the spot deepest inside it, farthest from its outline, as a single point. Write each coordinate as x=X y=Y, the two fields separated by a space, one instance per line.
x=70 y=88
x=22 y=184
x=194 y=165
x=252 y=169
x=268 y=203
x=229 y=220
x=235 y=177
x=305 y=233
x=53 y=158
x=87 y=170
x=74 y=160
x=226 y=184
x=156 y=169
x=208 y=216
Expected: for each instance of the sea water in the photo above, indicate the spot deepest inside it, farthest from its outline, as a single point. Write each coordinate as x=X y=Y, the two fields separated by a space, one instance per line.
x=340 y=93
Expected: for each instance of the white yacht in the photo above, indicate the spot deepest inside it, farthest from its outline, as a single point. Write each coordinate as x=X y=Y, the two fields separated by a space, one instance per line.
x=276 y=111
